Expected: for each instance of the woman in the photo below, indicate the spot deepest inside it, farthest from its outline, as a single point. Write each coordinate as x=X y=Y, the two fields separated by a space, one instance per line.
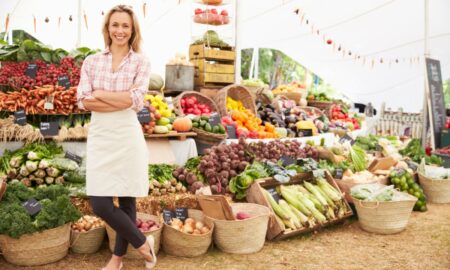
x=112 y=85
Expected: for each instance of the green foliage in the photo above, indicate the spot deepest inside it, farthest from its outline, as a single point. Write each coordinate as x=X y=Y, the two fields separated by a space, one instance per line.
x=55 y=213
x=17 y=192
x=14 y=220
x=51 y=192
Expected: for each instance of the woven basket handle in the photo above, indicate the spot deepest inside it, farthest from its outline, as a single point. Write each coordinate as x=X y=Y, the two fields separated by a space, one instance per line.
x=376 y=206
x=73 y=240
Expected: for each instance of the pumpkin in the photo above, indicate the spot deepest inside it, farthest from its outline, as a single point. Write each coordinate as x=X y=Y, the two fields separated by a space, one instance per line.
x=156 y=82
x=182 y=124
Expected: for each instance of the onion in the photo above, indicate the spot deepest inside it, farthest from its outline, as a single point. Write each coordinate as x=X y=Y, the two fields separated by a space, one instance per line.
x=196 y=232
x=204 y=230
x=188 y=228
x=199 y=225
x=190 y=221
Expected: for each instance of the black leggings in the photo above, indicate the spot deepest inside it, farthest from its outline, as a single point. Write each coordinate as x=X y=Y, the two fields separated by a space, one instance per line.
x=121 y=219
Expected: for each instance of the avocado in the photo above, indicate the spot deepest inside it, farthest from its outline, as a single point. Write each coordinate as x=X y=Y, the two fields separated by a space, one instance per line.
x=208 y=127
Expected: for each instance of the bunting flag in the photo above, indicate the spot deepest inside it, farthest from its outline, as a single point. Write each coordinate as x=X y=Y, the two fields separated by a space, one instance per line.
x=144 y=8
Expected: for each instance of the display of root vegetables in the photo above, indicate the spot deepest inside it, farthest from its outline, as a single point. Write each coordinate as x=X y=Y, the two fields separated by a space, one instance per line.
x=148 y=128
x=75 y=127
x=13 y=73
x=87 y=223
x=147 y=225
x=222 y=162
x=306 y=205
x=33 y=101
x=190 y=226
x=162 y=180
x=10 y=131
x=275 y=149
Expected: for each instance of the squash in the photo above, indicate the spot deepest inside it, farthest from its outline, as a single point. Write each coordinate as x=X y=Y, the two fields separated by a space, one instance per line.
x=156 y=82
x=182 y=124
x=161 y=130
x=163 y=121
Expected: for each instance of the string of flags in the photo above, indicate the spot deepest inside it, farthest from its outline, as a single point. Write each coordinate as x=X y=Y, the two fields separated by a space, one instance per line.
x=59 y=19
x=338 y=48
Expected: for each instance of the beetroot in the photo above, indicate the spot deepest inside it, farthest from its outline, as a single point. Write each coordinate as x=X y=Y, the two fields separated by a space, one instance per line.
x=242 y=215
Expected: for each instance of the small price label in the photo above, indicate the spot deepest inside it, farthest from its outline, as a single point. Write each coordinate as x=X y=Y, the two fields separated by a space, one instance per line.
x=20 y=117
x=347 y=138
x=214 y=119
x=49 y=129
x=48 y=105
x=305 y=132
x=64 y=81
x=144 y=116
x=167 y=216
x=339 y=173
x=31 y=70
x=181 y=213
x=72 y=156
x=231 y=132
x=287 y=160
x=274 y=194
x=32 y=206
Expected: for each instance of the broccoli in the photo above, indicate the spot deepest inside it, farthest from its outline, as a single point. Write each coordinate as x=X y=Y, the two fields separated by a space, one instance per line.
x=14 y=220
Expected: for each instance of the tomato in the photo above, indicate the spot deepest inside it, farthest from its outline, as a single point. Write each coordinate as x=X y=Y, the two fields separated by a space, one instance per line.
x=183 y=102
x=214 y=11
x=197 y=112
x=198 y=11
x=224 y=13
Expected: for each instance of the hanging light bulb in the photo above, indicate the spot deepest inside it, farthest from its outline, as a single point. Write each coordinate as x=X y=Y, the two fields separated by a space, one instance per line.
x=47 y=19
x=70 y=18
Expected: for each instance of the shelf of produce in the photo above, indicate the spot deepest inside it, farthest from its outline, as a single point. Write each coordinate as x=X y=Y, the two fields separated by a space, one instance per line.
x=181 y=135
x=328 y=137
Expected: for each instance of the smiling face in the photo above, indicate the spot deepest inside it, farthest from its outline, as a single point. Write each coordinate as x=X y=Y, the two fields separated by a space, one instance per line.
x=120 y=28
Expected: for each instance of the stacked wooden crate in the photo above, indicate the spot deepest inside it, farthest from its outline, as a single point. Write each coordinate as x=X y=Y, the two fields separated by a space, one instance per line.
x=214 y=66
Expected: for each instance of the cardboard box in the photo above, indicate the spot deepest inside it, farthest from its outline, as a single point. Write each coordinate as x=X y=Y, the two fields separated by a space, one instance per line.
x=276 y=231
x=216 y=206
x=384 y=163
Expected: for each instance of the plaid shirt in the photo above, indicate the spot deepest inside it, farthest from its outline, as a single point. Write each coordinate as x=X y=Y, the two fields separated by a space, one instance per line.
x=97 y=74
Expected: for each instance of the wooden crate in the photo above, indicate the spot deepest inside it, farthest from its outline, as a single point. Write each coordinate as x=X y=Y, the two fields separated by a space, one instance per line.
x=202 y=51
x=213 y=79
x=206 y=66
x=276 y=231
x=209 y=92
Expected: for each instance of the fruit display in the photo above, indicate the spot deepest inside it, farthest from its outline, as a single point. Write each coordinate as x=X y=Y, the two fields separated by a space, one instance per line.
x=190 y=226
x=308 y=204
x=182 y=124
x=268 y=114
x=403 y=180
x=87 y=223
x=250 y=126
x=147 y=225
x=318 y=97
x=149 y=128
x=156 y=82
x=160 y=105
x=163 y=115
x=211 y=16
x=203 y=122
x=339 y=115
x=289 y=88
x=221 y=163
x=191 y=105
x=13 y=74
x=162 y=180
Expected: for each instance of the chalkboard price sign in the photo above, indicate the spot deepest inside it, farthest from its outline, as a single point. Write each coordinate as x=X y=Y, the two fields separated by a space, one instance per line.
x=436 y=105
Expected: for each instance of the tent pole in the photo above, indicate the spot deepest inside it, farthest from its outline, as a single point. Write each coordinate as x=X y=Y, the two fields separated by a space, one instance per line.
x=78 y=42
x=237 y=48
x=425 y=97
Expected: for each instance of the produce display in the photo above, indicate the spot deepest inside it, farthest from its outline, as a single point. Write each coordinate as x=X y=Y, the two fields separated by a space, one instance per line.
x=161 y=116
x=211 y=16
x=289 y=88
x=255 y=82
x=241 y=182
x=443 y=151
x=367 y=142
x=203 y=123
x=403 y=180
x=56 y=211
x=147 y=225
x=363 y=177
x=373 y=193
x=10 y=131
x=415 y=151
x=274 y=150
x=13 y=73
x=189 y=226
x=211 y=38
x=190 y=105
x=162 y=181
x=36 y=165
x=340 y=117
x=315 y=96
x=250 y=126
x=33 y=101
x=74 y=127
x=87 y=223
x=190 y=174
x=305 y=205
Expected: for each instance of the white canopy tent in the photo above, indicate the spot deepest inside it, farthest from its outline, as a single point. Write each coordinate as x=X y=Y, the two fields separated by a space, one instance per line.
x=373 y=30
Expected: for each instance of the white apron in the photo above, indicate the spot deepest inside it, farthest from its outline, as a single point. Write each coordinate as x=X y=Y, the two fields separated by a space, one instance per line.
x=117 y=156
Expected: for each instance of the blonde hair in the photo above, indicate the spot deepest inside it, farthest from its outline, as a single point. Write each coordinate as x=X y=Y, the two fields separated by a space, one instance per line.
x=136 y=38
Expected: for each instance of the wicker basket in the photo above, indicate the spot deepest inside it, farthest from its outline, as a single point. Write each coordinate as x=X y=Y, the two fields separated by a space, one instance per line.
x=208 y=137
x=437 y=191
x=155 y=93
x=322 y=105
x=132 y=253
x=180 y=244
x=346 y=186
x=257 y=94
x=200 y=97
x=242 y=236
x=87 y=242
x=295 y=96
x=384 y=217
x=38 y=248
x=236 y=92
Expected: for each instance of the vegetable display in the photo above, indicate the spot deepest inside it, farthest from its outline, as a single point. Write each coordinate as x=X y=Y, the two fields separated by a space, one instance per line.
x=308 y=204
x=275 y=149
x=416 y=152
x=373 y=192
x=190 y=226
x=202 y=122
x=147 y=225
x=56 y=211
x=190 y=105
x=240 y=183
x=403 y=180
x=87 y=223
x=162 y=181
